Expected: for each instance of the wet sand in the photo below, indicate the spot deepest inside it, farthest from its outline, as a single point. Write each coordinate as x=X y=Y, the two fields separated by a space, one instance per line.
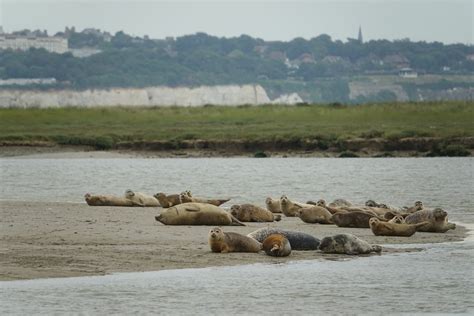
x=43 y=240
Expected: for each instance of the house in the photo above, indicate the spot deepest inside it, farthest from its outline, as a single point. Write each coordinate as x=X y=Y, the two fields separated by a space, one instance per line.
x=407 y=73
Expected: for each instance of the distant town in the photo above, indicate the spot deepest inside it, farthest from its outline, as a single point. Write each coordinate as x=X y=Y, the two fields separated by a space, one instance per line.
x=316 y=70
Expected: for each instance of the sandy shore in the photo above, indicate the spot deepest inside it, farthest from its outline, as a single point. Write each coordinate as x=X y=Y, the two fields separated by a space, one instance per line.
x=40 y=240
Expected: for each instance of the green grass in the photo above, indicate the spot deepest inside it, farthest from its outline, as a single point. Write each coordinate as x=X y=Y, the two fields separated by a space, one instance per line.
x=107 y=126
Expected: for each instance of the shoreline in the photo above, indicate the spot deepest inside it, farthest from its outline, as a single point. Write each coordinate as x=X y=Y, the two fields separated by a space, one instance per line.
x=53 y=239
x=354 y=149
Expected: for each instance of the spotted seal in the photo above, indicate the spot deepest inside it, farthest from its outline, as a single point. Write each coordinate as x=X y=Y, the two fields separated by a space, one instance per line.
x=397 y=219
x=437 y=220
x=353 y=219
x=417 y=207
x=332 y=210
x=347 y=244
x=298 y=240
x=220 y=241
x=340 y=203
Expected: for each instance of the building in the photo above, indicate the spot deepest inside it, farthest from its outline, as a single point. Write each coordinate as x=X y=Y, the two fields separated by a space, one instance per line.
x=53 y=44
x=359 y=37
x=407 y=73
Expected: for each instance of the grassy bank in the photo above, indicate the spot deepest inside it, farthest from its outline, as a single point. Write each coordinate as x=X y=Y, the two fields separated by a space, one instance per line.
x=106 y=128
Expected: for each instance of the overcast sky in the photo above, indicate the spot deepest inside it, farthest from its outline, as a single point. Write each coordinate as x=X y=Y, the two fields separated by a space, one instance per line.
x=448 y=21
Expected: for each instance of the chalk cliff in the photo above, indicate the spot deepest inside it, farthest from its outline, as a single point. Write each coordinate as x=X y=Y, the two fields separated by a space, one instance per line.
x=153 y=96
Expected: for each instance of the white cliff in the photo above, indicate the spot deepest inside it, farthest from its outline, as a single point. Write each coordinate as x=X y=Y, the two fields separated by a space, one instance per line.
x=154 y=96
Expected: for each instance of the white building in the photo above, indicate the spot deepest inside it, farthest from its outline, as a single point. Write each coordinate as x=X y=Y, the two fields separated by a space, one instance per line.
x=407 y=73
x=53 y=44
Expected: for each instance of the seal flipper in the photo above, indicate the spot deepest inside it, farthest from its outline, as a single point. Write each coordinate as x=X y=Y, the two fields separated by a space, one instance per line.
x=135 y=203
x=192 y=208
x=236 y=222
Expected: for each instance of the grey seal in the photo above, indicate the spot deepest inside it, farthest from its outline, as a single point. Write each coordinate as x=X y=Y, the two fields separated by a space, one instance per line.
x=298 y=240
x=347 y=244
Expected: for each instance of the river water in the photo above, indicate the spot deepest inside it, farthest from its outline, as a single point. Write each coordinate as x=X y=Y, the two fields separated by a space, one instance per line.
x=437 y=280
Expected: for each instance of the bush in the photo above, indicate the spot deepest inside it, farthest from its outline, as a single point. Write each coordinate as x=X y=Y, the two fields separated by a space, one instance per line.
x=260 y=154
x=348 y=154
x=446 y=150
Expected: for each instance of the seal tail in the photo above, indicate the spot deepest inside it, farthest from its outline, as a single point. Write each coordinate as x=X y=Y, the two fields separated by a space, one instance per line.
x=236 y=222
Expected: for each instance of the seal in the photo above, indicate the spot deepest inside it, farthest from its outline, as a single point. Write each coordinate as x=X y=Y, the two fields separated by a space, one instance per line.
x=332 y=210
x=390 y=215
x=141 y=198
x=347 y=244
x=315 y=214
x=108 y=200
x=276 y=245
x=437 y=220
x=253 y=213
x=397 y=219
x=353 y=219
x=340 y=203
x=273 y=205
x=219 y=241
x=417 y=207
x=197 y=214
x=186 y=198
x=372 y=203
x=289 y=208
x=393 y=229
x=167 y=200
x=298 y=240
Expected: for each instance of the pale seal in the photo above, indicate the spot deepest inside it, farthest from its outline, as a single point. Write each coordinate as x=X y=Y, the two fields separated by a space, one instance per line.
x=315 y=215
x=186 y=198
x=347 y=244
x=298 y=240
x=289 y=208
x=109 y=200
x=219 y=241
x=141 y=198
x=380 y=228
x=197 y=214
x=437 y=220
x=276 y=245
x=273 y=205
x=167 y=200
x=253 y=213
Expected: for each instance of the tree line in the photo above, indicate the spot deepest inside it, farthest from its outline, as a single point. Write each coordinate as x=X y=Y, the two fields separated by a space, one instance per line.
x=202 y=59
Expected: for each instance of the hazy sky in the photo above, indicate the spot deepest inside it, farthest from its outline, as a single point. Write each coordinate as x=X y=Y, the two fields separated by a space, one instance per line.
x=448 y=21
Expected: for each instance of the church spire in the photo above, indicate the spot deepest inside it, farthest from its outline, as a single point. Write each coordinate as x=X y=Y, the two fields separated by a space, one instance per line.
x=359 y=38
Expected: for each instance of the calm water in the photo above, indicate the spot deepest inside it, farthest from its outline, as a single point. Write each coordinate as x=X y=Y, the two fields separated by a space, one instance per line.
x=437 y=280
